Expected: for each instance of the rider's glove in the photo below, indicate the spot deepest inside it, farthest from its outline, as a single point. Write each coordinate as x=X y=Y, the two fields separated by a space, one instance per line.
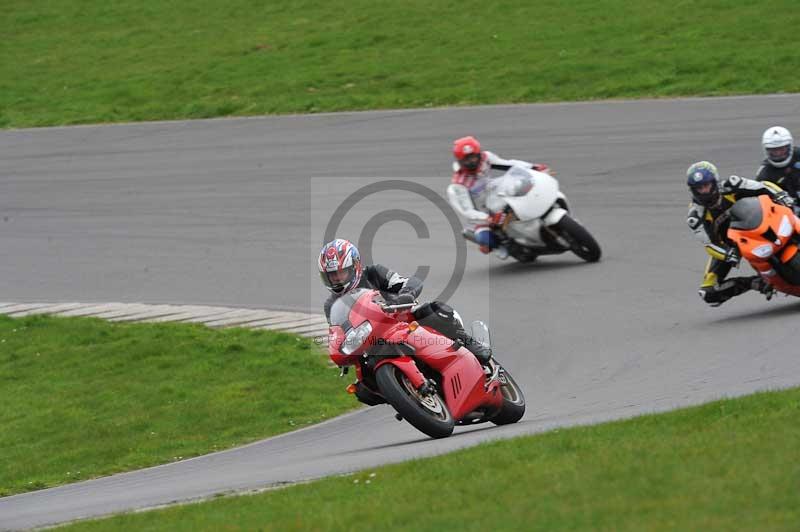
x=783 y=198
x=703 y=293
x=541 y=167
x=497 y=218
x=478 y=217
x=732 y=256
x=403 y=298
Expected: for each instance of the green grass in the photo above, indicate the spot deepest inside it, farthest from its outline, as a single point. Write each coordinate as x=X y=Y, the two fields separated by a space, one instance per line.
x=84 y=397
x=81 y=61
x=728 y=465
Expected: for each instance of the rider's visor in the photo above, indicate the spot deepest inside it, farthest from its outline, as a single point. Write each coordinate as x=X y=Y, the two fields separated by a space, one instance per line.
x=471 y=161
x=339 y=276
x=337 y=279
x=781 y=153
x=705 y=188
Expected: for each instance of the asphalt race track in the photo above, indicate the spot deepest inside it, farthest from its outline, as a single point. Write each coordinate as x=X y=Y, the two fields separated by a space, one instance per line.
x=232 y=212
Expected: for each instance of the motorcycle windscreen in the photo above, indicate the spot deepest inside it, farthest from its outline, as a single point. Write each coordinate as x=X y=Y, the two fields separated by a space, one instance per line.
x=340 y=310
x=480 y=332
x=538 y=199
x=515 y=183
x=746 y=214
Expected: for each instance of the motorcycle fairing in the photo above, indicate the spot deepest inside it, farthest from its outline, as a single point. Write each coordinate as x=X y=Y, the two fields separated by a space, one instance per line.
x=537 y=201
x=767 y=243
x=460 y=370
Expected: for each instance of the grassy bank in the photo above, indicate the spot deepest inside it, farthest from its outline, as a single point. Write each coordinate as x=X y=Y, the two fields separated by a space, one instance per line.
x=729 y=465
x=84 y=397
x=81 y=61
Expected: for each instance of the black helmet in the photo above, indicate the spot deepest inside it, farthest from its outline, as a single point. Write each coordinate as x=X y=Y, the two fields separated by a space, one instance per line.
x=703 y=180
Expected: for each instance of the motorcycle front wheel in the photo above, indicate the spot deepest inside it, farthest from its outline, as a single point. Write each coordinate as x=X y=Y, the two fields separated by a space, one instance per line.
x=427 y=413
x=581 y=242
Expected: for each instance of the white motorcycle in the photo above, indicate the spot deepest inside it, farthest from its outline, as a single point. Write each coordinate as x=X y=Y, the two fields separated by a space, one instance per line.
x=538 y=220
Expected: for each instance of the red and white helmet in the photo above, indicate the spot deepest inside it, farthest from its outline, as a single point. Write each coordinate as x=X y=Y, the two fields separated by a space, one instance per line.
x=778 y=146
x=468 y=154
x=340 y=266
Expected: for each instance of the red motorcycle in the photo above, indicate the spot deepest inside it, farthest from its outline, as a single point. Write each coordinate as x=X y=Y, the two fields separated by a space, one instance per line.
x=433 y=382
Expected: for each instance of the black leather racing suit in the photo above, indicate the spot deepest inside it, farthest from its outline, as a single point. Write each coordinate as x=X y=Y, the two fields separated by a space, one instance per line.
x=788 y=177
x=710 y=226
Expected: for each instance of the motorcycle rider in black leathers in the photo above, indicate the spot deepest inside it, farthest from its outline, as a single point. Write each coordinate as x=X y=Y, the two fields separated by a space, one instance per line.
x=341 y=271
x=709 y=220
x=782 y=163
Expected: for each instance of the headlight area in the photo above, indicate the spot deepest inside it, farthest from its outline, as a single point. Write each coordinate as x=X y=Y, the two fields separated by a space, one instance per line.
x=763 y=251
x=355 y=338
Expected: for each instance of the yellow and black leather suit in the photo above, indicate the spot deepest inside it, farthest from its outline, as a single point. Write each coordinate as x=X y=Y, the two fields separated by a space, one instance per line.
x=710 y=226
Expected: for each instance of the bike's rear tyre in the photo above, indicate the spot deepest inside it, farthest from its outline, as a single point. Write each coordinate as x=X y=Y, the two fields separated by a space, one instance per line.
x=581 y=242
x=513 y=402
x=428 y=414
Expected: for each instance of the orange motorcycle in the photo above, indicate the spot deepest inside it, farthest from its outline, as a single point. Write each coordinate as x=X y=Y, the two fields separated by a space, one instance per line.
x=767 y=235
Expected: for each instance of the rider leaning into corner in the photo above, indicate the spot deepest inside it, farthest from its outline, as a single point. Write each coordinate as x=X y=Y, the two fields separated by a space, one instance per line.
x=709 y=220
x=467 y=191
x=341 y=271
x=782 y=163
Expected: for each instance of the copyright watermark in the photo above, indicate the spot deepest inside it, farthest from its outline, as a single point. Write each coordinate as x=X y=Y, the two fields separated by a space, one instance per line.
x=416 y=342
x=404 y=224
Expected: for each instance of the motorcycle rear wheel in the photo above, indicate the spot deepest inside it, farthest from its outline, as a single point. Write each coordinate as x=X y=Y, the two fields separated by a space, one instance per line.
x=581 y=242
x=429 y=414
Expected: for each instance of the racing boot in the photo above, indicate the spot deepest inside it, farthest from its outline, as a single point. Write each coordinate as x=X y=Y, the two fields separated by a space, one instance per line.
x=717 y=294
x=481 y=352
x=501 y=252
x=758 y=283
x=492 y=241
x=441 y=317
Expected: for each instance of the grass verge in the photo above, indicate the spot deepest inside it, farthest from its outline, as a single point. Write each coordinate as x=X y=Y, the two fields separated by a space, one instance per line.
x=82 y=61
x=84 y=397
x=728 y=465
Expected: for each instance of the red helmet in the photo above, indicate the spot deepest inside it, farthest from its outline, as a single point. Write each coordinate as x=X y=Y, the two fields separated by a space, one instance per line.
x=467 y=151
x=340 y=266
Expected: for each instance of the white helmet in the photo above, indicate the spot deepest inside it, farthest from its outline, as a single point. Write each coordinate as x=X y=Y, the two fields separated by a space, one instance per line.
x=778 y=146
